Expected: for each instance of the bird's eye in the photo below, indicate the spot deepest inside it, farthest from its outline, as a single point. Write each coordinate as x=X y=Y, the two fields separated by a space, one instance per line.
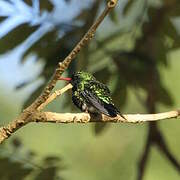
x=75 y=78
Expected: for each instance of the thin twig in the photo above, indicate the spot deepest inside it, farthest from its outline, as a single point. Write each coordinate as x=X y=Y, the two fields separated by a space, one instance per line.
x=54 y=96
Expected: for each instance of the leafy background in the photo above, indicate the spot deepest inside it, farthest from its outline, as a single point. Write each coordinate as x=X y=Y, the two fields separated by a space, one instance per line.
x=135 y=52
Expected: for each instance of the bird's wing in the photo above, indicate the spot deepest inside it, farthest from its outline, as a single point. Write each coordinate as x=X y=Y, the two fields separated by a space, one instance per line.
x=99 y=98
x=99 y=85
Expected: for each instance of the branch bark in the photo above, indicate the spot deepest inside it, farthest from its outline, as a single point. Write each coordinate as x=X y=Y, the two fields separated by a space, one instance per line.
x=86 y=118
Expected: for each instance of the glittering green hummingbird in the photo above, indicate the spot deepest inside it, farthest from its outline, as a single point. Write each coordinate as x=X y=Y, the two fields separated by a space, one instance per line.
x=90 y=95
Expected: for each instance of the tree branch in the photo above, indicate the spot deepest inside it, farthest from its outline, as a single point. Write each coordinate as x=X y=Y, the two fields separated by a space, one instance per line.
x=54 y=96
x=85 y=117
x=25 y=116
x=52 y=117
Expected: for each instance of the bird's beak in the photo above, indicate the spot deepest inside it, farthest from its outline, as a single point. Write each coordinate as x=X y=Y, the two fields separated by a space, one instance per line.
x=65 y=79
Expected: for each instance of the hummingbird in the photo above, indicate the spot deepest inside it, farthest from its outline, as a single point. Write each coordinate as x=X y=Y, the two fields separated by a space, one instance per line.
x=90 y=95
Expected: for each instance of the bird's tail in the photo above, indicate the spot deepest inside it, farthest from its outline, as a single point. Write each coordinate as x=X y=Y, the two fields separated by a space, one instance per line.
x=112 y=111
x=121 y=115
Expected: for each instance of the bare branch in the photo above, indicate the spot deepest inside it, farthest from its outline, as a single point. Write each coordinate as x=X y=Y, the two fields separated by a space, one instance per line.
x=52 y=117
x=85 y=117
x=54 y=96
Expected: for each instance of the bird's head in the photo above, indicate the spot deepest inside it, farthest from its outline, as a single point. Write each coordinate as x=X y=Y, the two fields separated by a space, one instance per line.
x=79 y=77
x=82 y=76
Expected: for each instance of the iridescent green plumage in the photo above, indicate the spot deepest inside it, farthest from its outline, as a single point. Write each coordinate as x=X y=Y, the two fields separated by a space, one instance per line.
x=90 y=95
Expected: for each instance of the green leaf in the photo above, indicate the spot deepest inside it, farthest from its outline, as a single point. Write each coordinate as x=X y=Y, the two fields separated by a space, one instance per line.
x=114 y=16
x=164 y=96
x=119 y=95
x=170 y=30
x=47 y=174
x=15 y=37
x=175 y=11
x=13 y=170
x=128 y=6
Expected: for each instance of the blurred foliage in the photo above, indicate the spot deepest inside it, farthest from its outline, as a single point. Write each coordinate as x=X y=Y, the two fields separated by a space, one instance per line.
x=18 y=163
x=127 y=53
